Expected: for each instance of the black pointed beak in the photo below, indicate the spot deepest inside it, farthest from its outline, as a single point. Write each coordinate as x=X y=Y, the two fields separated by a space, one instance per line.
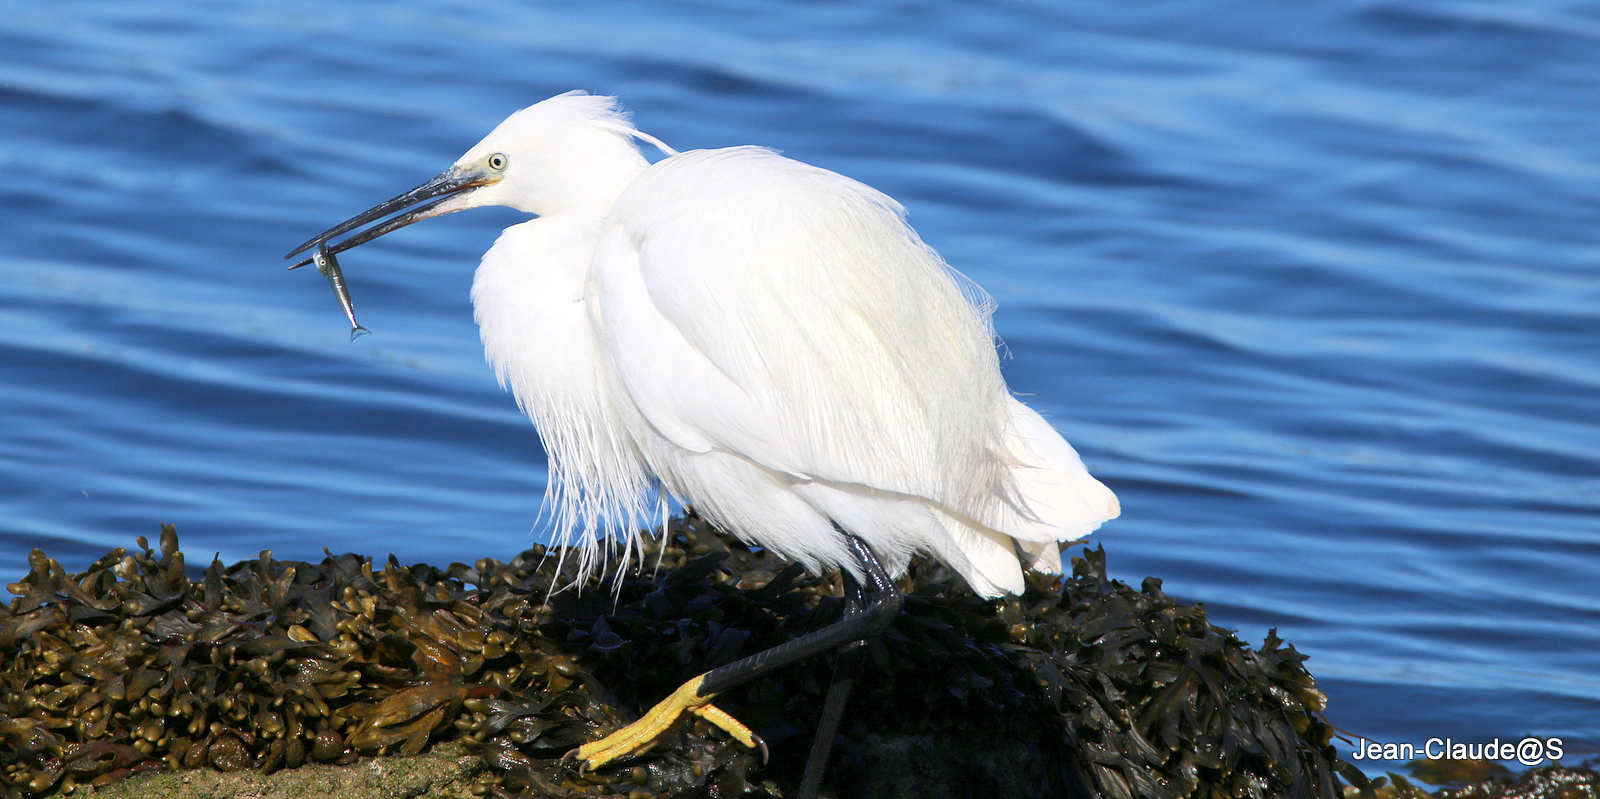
x=433 y=194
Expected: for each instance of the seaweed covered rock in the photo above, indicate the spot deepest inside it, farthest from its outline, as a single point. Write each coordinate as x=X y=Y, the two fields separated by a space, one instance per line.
x=1163 y=703
x=1082 y=686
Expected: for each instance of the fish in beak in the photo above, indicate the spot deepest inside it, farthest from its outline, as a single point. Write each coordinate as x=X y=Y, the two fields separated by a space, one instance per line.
x=329 y=267
x=439 y=196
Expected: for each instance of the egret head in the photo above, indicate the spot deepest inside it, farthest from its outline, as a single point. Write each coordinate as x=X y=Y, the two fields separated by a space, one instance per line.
x=572 y=151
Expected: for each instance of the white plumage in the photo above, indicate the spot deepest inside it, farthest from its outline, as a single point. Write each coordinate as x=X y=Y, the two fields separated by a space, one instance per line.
x=765 y=340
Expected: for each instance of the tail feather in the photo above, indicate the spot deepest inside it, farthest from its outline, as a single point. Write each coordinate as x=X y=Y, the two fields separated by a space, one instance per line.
x=987 y=560
x=1061 y=500
x=1058 y=501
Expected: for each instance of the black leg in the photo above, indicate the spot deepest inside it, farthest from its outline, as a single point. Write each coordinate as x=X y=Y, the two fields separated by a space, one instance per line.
x=844 y=679
x=870 y=608
x=845 y=670
x=882 y=603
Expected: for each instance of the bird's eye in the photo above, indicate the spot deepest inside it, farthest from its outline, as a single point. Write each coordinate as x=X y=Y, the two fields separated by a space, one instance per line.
x=497 y=161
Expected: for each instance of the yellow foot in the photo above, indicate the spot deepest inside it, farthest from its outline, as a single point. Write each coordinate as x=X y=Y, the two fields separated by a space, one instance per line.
x=644 y=733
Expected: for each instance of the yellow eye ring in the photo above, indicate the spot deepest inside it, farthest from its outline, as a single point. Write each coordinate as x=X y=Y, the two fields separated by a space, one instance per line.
x=498 y=162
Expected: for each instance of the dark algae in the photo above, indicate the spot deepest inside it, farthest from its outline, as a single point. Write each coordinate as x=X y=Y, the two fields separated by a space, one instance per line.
x=1082 y=686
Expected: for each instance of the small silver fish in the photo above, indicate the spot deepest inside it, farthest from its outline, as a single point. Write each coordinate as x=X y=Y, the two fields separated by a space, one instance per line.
x=329 y=267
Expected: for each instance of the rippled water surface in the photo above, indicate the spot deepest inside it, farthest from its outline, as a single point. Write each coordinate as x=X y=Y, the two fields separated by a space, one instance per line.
x=1312 y=285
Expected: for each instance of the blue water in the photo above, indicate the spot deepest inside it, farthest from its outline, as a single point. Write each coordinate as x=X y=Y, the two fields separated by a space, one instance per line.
x=1312 y=285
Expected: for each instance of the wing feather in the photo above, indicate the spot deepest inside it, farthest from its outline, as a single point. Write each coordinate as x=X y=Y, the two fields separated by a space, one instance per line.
x=793 y=318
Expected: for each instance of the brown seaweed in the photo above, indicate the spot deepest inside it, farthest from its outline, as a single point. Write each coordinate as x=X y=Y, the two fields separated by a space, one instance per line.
x=1080 y=686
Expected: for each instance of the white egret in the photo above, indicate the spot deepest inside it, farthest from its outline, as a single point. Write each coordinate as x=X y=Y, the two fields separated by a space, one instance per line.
x=766 y=341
